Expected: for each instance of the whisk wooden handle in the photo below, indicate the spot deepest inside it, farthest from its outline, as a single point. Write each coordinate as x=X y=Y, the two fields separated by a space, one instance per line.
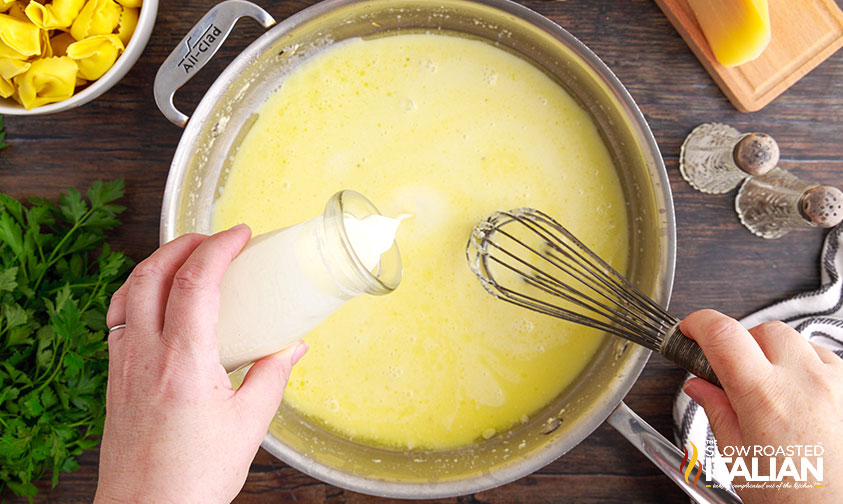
x=687 y=354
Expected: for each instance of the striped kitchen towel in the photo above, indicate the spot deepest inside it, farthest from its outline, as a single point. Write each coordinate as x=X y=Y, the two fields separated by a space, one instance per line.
x=817 y=315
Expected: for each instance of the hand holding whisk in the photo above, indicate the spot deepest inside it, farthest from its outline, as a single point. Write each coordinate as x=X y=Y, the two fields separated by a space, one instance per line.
x=528 y=259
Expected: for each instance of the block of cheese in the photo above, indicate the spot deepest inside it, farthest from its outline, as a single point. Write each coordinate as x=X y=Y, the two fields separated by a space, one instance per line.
x=804 y=34
x=737 y=30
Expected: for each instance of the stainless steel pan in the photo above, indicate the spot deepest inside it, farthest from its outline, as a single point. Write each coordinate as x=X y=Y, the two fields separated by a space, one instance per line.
x=228 y=110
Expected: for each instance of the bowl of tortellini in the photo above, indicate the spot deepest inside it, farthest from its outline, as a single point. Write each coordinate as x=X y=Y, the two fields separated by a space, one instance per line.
x=59 y=54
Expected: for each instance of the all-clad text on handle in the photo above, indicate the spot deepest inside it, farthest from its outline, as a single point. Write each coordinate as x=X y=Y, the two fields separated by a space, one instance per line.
x=197 y=48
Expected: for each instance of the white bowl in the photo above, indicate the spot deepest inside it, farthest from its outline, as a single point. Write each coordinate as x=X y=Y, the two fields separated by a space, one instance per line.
x=146 y=20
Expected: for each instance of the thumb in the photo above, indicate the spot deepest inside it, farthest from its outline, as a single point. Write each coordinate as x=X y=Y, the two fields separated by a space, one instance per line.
x=262 y=389
x=718 y=409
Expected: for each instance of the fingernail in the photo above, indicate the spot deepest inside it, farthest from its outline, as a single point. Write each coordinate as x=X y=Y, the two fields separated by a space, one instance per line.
x=690 y=388
x=239 y=226
x=299 y=352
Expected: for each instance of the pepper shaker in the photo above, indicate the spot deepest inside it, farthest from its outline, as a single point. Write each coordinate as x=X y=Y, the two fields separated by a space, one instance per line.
x=773 y=204
x=716 y=157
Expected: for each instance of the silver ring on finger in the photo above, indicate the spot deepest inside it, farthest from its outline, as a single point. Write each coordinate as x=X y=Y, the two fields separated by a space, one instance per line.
x=114 y=328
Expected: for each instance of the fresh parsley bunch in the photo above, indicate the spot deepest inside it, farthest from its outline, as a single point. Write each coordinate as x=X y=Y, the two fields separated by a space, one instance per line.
x=57 y=274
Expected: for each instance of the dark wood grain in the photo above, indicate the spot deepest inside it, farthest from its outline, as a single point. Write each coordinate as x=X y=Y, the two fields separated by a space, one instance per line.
x=720 y=264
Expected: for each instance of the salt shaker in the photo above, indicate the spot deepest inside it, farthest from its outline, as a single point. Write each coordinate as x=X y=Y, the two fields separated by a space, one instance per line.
x=773 y=204
x=716 y=157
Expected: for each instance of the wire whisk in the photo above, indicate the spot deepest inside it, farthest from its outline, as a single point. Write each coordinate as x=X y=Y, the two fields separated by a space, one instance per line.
x=526 y=258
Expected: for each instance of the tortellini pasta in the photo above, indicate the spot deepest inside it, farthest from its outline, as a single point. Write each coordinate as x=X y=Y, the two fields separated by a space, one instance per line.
x=50 y=47
x=19 y=36
x=95 y=54
x=48 y=80
x=17 y=11
x=60 y=42
x=9 y=68
x=128 y=22
x=46 y=47
x=59 y=14
x=8 y=52
x=97 y=17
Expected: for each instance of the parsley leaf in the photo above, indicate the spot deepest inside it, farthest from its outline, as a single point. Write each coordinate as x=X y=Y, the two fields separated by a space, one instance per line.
x=3 y=143
x=57 y=274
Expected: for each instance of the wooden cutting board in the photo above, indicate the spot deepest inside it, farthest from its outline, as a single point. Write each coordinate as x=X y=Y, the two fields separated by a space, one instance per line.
x=804 y=34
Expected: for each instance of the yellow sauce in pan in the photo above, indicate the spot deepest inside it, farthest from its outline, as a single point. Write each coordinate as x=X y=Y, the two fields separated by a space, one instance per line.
x=449 y=130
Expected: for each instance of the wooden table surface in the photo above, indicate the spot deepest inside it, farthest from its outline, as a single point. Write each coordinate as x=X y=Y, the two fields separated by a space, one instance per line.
x=720 y=264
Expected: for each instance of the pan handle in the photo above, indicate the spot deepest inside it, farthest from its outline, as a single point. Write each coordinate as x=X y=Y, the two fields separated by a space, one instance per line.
x=197 y=48
x=667 y=457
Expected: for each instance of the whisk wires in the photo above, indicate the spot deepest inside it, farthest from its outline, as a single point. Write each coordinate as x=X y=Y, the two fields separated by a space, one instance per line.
x=525 y=257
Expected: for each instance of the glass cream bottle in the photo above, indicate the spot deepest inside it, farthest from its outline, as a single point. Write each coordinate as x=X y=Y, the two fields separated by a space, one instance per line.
x=286 y=282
